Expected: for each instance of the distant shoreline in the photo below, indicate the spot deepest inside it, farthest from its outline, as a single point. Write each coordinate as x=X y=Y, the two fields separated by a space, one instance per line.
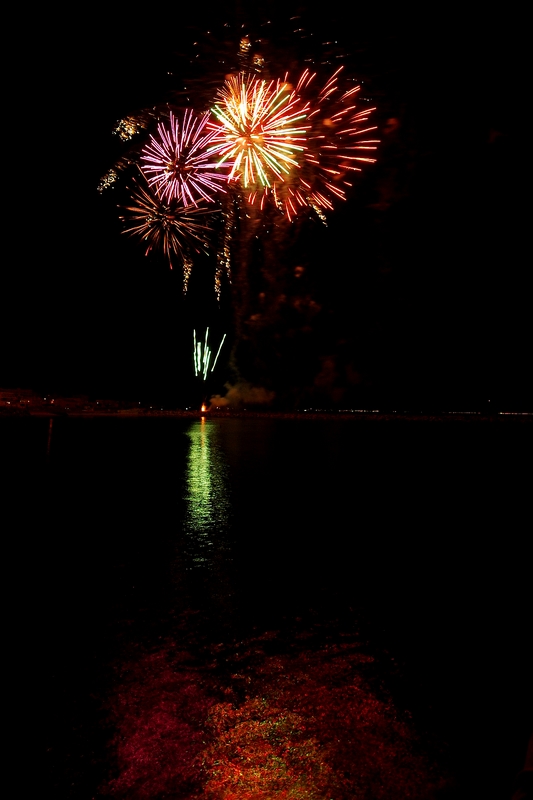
x=26 y=403
x=373 y=416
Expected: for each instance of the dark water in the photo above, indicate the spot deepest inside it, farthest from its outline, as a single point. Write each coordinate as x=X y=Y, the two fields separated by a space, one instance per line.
x=174 y=583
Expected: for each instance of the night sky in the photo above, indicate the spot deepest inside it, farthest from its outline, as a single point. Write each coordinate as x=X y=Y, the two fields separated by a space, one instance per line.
x=413 y=297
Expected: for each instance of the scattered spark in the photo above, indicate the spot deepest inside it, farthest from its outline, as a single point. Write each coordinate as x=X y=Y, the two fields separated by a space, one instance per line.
x=128 y=127
x=108 y=180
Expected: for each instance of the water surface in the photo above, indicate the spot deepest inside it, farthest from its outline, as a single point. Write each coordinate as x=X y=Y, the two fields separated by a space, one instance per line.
x=224 y=564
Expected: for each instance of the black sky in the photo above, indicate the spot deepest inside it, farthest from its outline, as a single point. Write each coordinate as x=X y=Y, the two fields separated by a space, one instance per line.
x=420 y=278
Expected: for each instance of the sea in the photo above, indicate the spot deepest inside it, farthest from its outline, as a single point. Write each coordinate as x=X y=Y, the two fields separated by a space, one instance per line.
x=267 y=607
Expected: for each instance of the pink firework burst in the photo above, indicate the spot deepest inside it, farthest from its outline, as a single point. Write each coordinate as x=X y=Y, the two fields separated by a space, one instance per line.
x=177 y=164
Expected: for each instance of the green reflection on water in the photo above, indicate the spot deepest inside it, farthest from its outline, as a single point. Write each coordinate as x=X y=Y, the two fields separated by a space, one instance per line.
x=208 y=498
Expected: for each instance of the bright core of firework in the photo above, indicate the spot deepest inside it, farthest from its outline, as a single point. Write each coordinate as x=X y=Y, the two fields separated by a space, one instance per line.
x=260 y=130
x=177 y=164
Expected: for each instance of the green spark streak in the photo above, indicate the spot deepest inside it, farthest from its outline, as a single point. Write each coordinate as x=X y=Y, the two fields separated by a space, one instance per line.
x=218 y=352
x=203 y=356
x=194 y=354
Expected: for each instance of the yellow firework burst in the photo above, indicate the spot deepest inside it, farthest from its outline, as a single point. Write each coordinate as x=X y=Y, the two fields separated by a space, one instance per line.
x=260 y=130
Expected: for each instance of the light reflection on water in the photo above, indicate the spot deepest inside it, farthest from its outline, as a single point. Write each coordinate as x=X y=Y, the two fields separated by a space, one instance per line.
x=294 y=705
x=208 y=497
x=299 y=723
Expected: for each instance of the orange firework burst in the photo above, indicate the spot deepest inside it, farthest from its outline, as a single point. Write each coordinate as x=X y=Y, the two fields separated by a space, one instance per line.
x=337 y=143
x=260 y=130
x=298 y=145
x=167 y=226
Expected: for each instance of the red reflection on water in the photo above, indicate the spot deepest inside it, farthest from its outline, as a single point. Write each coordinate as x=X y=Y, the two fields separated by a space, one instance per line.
x=250 y=726
x=159 y=712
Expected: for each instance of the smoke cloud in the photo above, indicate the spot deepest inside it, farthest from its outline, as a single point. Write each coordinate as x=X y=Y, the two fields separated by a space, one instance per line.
x=242 y=394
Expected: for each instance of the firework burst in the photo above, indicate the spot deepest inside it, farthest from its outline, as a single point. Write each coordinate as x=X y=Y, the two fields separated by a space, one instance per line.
x=177 y=163
x=278 y=143
x=339 y=143
x=260 y=131
x=167 y=226
x=298 y=146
